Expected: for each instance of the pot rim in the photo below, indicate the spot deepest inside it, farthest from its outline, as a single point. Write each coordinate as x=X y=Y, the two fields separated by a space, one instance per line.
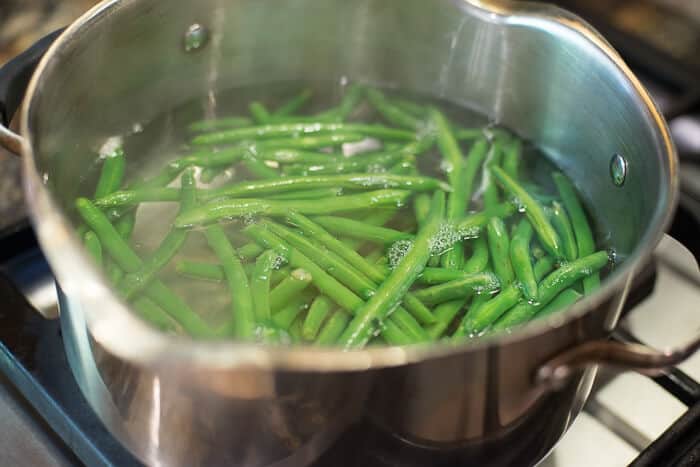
x=120 y=331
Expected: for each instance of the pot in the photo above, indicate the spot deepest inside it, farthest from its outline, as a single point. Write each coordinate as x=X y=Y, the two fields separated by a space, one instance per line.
x=501 y=400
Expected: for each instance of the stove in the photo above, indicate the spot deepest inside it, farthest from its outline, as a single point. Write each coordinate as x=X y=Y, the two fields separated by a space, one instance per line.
x=628 y=420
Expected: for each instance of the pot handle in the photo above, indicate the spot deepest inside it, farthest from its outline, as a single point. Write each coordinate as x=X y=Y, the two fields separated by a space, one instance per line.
x=14 y=79
x=555 y=373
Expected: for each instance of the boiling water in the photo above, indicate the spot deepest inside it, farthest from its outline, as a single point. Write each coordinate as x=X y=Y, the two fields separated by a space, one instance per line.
x=150 y=146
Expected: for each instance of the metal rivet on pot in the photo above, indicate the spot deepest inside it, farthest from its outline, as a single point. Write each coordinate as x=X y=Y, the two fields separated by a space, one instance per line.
x=196 y=37
x=618 y=169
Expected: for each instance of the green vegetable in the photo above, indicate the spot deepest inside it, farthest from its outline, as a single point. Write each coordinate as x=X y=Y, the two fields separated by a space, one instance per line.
x=318 y=312
x=389 y=294
x=294 y=104
x=476 y=321
x=297 y=281
x=511 y=157
x=324 y=282
x=230 y=208
x=260 y=284
x=582 y=230
x=551 y=286
x=135 y=281
x=499 y=248
x=259 y=113
x=390 y=112
x=298 y=129
x=356 y=229
x=243 y=314
x=219 y=124
x=561 y=223
x=520 y=259
x=479 y=259
x=122 y=254
x=562 y=301
x=480 y=282
x=112 y=174
x=356 y=261
x=333 y=328
x=534 y=212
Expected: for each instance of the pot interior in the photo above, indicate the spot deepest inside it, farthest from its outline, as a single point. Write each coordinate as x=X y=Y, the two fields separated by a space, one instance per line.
x=542 y=78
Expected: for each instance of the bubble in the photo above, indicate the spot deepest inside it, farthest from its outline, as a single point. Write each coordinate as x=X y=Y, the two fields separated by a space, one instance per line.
x=249 y=219
x=612 y=255
x=397 y=251
x=448 y=234
x=278 y=262
x=446 y=166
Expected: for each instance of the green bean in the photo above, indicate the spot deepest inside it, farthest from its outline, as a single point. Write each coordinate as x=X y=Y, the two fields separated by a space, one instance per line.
x=294 y=104
x=135 y=281
x=153 y=314
x=286 y=316
x=214 y=271
x=295 y=328
x=356 y=229
x=421 y=208
x=390 y=293
x=582 y=230
x=249 y=251
x=459 y=200
x=491 y=194
x=435 y=276
x=543 y=266
x=472 y=223
x=390 y=112
x=444 y=314
x=511 y=157
x=292 y=129
x=128 y=260
x=552 y=285
x=480 y=256
x=448 y=145
x=561 y=223
x=259 y=113
x=93 y=246
x=112 y=174
x=318 y=312
x=207 y=271
x=476 y=321
x=499 y=249
x=333 y=328
x=243 y=315
x=249 y=188
x=294 y=156
x=258 y=169
x=353 y=95
x=324 y=282
x=141 y=195
x=308 y=142
x=345 y=273
x=318 y=193
x=231 y=208
x=520 y=258
x=562 y=301
x=220 y=124
x=480 y=282
x=534 y=212
x=468 y=134
x=353 y=164
x=356 y=261
x=125 y=225
x=297 y=281
x=260 y=284
x=411 y=107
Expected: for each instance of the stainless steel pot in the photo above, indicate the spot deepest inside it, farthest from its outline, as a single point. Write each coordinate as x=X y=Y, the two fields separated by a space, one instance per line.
x=503 y=400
